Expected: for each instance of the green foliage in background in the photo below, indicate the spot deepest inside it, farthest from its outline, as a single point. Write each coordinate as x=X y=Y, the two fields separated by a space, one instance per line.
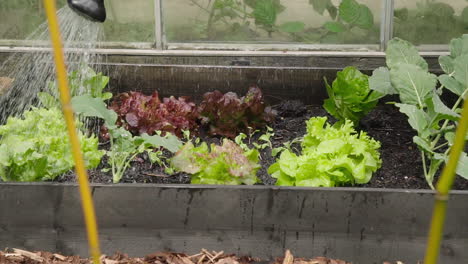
x=37 y=148
x=352 y=22
x=350 y=96
x=432 y=22
x=247 y=20
x=21 y=17
x=331 y=156
x=419 y=91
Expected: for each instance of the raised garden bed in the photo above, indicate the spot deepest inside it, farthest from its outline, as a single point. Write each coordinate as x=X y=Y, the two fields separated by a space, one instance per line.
x=358 y=225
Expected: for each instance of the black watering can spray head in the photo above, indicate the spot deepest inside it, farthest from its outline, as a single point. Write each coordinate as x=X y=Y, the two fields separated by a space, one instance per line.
x=93 y=10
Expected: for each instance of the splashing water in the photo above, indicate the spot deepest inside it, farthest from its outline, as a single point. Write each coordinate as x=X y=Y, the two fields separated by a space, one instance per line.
x=32 y=71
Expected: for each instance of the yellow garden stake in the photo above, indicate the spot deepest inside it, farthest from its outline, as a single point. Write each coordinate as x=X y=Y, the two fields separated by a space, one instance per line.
x=443 y=189
x=86 y=198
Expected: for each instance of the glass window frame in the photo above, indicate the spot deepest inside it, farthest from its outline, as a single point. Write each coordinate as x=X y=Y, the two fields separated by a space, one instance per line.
x=161 y=44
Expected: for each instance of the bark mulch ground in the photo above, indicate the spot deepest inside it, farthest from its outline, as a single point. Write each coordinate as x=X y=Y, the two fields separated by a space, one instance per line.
x=18 y=256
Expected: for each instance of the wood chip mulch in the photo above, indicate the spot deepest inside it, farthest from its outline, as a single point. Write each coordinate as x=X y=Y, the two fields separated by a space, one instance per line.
x=18 y=256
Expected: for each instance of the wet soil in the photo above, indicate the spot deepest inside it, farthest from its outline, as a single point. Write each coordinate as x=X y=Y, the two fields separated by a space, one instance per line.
x=401 y=167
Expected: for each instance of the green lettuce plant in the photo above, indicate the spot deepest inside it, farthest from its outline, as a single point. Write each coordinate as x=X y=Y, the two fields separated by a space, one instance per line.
x=350 y=96
x=331 y=156
x=227 y=164
x=36 y=147
x=407 y=75
x=264 y=140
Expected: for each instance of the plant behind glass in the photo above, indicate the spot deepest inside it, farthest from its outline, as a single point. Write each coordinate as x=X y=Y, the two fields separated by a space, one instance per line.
x=237 y=20
x=429 y=19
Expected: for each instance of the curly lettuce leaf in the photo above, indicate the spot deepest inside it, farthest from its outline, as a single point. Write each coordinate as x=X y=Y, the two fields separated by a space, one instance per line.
x=37 y=147
x=331 y=156
x=227 y=164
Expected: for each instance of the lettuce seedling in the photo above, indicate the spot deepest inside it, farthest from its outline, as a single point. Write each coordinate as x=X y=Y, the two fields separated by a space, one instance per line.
x=350 y=96
x=228 y=115
x=331 y=156
x=37 y=148
x=140 y=114
x=124 y=146
x=85 y=81
x=407 y=75
x=227 y=164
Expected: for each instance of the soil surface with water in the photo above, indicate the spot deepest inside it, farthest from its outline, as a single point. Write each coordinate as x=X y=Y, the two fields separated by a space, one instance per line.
x=401 y=168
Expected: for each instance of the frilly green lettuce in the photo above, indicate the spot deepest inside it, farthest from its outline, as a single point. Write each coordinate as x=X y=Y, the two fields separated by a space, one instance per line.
x=37 y=147
x=331 y=156
x=227 y=164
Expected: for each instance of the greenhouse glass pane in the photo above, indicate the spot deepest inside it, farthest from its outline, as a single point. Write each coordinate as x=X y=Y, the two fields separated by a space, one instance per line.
x=273 y=21
x=430 y=22
x=129 y=21
x=20 y=18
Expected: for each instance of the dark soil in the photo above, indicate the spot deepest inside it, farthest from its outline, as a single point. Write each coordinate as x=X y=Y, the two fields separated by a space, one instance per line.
x=401 y=168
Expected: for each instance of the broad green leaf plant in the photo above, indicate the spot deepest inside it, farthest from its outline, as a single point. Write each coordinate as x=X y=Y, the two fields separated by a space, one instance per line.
x=346 y=16
x=124 y=146
x=331 y=156
x=37 y=148
x=235 y=19
x=407 y=75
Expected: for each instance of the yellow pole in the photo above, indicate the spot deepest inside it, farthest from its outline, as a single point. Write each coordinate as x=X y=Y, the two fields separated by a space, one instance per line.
x=443 y=191
x=86 y=198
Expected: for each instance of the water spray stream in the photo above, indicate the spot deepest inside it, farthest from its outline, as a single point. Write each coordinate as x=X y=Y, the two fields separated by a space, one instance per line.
x=32 y=71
